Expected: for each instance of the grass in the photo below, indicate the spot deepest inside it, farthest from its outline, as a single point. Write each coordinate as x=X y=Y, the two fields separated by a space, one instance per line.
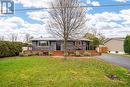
x=56 y=72
x=127 y=55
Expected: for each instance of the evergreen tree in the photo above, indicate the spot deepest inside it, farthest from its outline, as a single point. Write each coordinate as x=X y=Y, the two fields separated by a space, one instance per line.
x=127 y=44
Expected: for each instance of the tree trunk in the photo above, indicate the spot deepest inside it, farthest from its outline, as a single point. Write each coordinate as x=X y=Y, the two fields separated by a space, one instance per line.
x=65 y=48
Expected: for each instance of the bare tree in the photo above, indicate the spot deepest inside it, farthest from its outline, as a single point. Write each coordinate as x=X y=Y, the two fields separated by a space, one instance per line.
x=103 y=40
x=89 y=36
x=2 y=38
x=28 y=38
x=67 y=19
x=14 y=37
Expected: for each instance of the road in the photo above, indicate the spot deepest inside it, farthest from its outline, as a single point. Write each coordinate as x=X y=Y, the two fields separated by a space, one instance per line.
x=119 y=60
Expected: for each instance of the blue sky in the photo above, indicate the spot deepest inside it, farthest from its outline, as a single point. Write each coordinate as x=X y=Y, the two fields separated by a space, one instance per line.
x=110 y=21
x=109 y=9
x=24 y=16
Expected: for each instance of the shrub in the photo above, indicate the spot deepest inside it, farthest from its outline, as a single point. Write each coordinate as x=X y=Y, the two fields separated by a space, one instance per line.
x=50 y=53
x=71 y=53
x=25 y=54
x=8 y=49
x=41 y=54
x=127 y=44
x=66 y=54
x=21 y=54
x=86 y=53
x=77 y=53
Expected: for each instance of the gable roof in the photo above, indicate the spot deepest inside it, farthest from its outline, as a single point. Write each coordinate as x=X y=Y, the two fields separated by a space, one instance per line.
x=115 y=39
x=118 y=39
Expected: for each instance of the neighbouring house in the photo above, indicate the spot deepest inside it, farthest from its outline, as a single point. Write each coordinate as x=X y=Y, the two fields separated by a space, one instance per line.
x=115 y=45
x=55 y=44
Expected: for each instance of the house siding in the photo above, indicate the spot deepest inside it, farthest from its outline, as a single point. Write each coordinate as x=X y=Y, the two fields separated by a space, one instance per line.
x=115 y=46
x=52 y=45
x=36 y=46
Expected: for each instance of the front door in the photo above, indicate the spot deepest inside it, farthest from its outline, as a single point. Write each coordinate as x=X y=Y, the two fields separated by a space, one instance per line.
x=58 y=46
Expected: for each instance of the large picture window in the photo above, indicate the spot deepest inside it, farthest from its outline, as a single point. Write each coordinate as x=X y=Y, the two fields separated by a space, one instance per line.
x=43 y=43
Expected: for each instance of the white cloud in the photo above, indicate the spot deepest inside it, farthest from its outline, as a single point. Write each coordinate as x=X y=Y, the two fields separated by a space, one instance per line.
x=89 y=2
x=125 y=14
x=107 y=16
x=95 y=3
x=110 y=24
x=43 y=15
x=16 y=25
x=15 y=20
x=39 y=15
x=122 y=0
x=46 y=3
x=33 y=3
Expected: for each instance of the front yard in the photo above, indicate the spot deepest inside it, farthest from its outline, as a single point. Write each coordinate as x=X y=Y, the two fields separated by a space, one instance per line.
x=57 y=72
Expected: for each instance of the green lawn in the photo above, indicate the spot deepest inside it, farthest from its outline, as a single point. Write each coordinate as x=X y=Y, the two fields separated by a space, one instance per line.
x=127 y=55
x=56 y=72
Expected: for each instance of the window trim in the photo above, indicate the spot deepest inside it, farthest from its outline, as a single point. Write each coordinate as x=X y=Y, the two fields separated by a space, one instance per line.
x=43 y=42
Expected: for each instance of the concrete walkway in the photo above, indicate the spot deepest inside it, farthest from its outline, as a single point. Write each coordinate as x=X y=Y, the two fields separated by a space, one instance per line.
x=119 y=60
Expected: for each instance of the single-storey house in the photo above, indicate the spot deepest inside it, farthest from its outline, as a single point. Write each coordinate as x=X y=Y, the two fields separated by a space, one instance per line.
x=115 y=45
x=56 y=44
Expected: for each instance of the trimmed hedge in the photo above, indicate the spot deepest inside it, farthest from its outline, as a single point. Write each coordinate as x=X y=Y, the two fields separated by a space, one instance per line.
x=8 y=49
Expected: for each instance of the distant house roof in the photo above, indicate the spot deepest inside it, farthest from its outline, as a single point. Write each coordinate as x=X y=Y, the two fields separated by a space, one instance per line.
x=55 y=39
x=118 y=39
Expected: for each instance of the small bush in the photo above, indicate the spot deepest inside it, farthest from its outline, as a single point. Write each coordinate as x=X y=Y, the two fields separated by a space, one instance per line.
x=40 y=54
x=71 y=53
x=21 y=54
x=25 y=54
x=77 y=53
x=66 y=54
x=50 y=53
x=87 y=53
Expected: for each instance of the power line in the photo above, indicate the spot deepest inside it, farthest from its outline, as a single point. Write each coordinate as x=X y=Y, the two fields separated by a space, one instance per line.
x=114 y=5
x=110 y=5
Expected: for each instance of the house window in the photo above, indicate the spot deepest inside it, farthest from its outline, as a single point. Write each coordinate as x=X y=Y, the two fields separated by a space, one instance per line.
x=77 y=43
x=34 y=43
x=43 y=43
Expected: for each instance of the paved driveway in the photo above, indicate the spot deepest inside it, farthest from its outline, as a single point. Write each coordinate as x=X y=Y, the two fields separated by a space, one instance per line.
x=119 y=60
